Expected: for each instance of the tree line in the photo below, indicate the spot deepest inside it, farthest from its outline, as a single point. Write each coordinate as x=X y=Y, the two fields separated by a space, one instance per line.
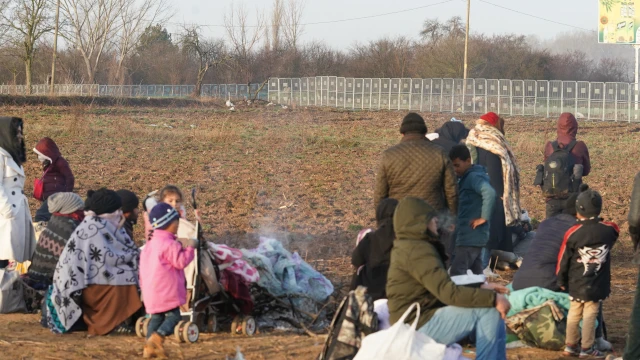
x=126 y=42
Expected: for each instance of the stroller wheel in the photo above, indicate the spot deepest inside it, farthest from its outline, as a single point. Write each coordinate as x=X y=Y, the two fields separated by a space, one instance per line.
x=140 y=330
x=249 y=326
x=212 y=323
x=177 y=331
x=190 y=332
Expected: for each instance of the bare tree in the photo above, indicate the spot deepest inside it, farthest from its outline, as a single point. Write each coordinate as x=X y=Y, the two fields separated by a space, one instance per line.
x=26 y=22
x=277 y=17
x=208 y=53
x=91 y=25
x=135 y=17
x=243 y=37
x=293 y=27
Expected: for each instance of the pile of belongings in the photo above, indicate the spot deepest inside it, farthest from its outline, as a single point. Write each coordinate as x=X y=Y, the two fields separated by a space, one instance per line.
x=290 y=294
x=538 y=317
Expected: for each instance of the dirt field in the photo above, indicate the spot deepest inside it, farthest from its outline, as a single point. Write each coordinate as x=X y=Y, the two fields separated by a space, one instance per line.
x=305 y=176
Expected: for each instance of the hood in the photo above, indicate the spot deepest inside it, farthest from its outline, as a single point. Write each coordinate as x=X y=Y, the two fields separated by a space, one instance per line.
x=48 y=148
x=453 y=131
x=479 y=169
x=9 y=140
x=385 y=210
x=411 y=219
x=567 y=128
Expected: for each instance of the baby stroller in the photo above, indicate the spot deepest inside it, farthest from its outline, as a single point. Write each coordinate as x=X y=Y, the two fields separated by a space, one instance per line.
x=207 y=300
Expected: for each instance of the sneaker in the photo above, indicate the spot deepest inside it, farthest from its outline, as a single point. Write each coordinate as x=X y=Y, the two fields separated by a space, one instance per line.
x=592 y=353
x=602 y=344
x=571 y=350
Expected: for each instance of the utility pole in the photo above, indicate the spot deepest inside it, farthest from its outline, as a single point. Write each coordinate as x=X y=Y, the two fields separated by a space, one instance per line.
x=466 y=52
x=55 y=52
x=635 y=86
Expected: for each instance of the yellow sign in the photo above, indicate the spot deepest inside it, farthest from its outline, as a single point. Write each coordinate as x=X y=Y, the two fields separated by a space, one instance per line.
x=619 y=21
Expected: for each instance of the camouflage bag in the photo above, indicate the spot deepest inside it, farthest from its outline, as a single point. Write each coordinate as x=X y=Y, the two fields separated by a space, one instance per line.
x=353 y=320
x=543 y=326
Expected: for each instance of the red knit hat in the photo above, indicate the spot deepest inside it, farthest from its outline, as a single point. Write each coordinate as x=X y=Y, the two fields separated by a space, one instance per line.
x=492 y=118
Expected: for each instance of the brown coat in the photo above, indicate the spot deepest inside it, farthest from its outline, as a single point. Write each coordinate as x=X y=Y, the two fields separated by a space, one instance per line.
x=417 y=168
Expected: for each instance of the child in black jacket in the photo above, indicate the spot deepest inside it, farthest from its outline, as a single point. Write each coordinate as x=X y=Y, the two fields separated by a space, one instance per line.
x=584 y=268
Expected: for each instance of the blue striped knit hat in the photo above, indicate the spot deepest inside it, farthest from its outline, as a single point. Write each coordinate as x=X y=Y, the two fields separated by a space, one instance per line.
x=162 y=215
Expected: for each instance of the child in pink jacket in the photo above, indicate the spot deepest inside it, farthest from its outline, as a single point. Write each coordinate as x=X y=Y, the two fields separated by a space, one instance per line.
x=162 y=278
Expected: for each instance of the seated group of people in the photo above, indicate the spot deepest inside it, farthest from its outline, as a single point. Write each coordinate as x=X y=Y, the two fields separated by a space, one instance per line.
x=405 y=260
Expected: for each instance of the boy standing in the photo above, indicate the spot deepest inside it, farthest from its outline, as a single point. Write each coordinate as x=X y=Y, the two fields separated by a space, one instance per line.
x=584 y=268
x=476 y=199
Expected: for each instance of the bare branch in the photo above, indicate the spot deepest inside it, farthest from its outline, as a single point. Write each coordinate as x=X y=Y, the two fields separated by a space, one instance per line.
x=293 y=27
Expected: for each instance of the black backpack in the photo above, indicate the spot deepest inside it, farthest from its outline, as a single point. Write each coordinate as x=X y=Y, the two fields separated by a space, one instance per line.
x=353 y=320
x=558 y=171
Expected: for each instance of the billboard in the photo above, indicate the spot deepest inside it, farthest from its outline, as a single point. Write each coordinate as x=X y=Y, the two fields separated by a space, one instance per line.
x=619 y=21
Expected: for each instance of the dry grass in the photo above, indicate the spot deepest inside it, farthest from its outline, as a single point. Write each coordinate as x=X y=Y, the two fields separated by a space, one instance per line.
x=305 y=176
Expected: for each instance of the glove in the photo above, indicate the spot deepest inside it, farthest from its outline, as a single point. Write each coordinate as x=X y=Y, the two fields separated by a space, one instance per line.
x=188 y=242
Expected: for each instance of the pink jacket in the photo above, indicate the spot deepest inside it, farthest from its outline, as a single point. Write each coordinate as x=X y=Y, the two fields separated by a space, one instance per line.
x=161 y=272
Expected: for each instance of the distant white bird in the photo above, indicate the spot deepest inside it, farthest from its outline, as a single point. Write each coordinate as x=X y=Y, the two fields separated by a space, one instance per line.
x=229 y=103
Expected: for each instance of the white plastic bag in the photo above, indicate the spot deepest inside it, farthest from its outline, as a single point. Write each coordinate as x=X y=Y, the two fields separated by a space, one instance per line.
x=401 y=342
x=11 y=293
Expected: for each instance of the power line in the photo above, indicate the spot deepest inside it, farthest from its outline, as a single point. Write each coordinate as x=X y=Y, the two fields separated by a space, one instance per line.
x=335 y=21
x=535 y=16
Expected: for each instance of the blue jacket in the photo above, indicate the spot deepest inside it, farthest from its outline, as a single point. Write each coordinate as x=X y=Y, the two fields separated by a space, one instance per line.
x=476 y=199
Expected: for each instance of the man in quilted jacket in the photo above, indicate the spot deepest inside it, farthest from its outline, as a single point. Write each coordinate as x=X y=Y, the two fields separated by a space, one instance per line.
x=417 y=168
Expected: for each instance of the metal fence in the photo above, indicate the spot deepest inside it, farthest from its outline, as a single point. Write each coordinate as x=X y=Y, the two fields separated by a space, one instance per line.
x=589 y=100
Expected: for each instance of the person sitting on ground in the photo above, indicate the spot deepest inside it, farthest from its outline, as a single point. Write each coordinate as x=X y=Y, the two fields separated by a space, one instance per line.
x=162 y=280
x=448 y=312
x=476 y=199
x=584 y=269
x=67 y=214
x=57 y=175
x=130 y=203
x=567 y=131
x=521 y=237
x=451 y=133
x=373 y=252
x=539 y=267
x=96 y=279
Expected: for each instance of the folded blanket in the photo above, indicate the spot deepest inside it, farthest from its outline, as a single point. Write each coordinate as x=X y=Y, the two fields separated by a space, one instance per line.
x=535 y=296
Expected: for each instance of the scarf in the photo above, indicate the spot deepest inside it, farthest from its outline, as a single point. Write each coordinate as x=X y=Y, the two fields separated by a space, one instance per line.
x=491 y=139
x=98 y=253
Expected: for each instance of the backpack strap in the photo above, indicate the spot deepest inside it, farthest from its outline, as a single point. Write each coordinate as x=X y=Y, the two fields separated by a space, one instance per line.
x=571 y=145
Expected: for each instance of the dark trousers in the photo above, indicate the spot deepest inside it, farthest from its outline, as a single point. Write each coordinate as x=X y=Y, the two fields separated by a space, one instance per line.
x=4 y=264
x=555 y=207
x=164 y=323
x=43 y=214
x=467 y=258
x=632 y=350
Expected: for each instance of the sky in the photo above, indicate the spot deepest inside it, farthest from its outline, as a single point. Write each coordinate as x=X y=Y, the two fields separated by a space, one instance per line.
x=485 y=18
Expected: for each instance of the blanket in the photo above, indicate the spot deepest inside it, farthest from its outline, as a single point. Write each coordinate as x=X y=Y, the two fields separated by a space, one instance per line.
x=98 y=253
x=491 y=139
x=535 y=296
x=283 y=273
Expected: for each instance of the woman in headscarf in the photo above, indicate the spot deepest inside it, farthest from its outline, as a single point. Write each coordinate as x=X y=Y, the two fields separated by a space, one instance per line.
x=490 y=148
x=17 y=237
x=452 y=133
x=372 y=255
x=97 y=274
